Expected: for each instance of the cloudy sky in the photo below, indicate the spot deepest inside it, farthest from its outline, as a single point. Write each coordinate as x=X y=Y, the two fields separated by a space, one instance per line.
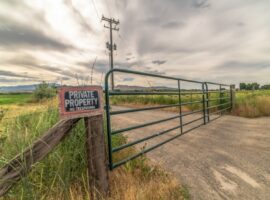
x=58 y=40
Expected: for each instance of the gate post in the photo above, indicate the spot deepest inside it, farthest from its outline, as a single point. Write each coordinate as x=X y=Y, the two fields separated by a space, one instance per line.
x=207 y=102
x=203 y=100
x=180 y=106
x=96 y=156
x=232 y=88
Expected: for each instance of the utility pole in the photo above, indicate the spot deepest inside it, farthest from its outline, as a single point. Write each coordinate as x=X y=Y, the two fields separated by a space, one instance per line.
x=110 y=45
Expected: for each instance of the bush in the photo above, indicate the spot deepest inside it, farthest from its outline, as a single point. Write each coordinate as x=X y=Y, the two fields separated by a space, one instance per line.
x=44 y=91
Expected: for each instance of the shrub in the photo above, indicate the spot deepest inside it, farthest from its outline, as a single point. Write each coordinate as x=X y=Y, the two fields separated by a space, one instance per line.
x=44 y=91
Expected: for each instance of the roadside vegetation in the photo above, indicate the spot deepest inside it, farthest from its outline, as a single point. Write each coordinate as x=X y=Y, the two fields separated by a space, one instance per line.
x=154 y=100
x=44 y=91
x=248 y=103
x=252 y=103
x=63 y=174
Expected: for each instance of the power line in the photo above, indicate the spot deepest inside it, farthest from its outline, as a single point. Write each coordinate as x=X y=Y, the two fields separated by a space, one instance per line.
x=116 y=9
x=92 y=69
x=94 y=5
x=109 y=11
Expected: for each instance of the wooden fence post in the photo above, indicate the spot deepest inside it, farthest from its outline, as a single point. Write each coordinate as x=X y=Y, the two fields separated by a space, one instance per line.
x=96 y=157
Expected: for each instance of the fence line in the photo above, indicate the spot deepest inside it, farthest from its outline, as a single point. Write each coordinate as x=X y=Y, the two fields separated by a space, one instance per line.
x=21 y=164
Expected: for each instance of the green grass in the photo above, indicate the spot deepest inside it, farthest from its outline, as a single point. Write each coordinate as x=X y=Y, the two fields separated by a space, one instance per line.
x=65 y=166
x=244 y=93
x=63 y=173
x=16 y=98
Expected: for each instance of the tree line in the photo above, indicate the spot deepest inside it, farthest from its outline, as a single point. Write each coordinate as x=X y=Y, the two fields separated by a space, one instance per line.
x=253 y=86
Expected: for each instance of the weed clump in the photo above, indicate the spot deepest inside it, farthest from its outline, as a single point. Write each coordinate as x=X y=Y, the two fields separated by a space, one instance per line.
x=252 y=104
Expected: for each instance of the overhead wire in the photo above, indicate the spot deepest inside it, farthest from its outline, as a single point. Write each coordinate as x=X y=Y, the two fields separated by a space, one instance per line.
x=104 y=34
x=109 y=11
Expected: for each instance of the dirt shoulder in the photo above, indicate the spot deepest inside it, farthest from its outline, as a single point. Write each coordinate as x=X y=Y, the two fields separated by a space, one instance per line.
x=228 y=158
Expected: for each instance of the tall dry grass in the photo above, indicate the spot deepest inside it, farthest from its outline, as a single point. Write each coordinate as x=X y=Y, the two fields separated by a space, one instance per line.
x=63 y=173
x=252 y=104
x=138 y=181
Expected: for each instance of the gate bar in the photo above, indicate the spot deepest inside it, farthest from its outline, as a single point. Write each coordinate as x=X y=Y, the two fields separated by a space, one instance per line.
x=153 y=136
x=151 y=148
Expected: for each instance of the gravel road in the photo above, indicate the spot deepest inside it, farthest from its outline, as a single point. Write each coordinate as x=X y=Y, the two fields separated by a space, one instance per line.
x=228 y=158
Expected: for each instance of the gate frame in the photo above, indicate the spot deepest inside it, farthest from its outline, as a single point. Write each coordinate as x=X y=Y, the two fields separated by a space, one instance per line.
x=206 y=111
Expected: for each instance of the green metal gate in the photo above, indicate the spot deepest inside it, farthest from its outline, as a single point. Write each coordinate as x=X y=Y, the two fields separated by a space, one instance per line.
x=210 y=112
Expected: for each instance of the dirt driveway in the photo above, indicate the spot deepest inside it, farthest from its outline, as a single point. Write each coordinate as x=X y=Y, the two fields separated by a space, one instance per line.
x=228 y=158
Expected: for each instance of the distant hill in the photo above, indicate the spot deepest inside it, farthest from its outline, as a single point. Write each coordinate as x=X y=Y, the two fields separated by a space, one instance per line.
x=31 y=88
x=22 y=88
x=133 y=87
x=18 y=88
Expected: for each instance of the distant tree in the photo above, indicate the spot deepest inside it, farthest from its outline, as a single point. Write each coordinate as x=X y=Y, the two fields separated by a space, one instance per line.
x=249 y=86
x=265 y=87
x=242 y=86
x=255 y=86
x=44 y=91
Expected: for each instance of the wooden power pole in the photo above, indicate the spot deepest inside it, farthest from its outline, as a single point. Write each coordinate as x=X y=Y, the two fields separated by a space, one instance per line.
x=110 y=44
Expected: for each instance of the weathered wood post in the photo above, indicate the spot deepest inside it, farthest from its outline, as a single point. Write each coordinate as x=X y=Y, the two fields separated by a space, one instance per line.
x=86 y=102
x=96 y=156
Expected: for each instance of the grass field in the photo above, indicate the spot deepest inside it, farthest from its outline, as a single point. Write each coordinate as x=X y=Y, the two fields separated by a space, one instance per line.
x=16 y=98
x=152 y=100
x=247 y=103
x=63 y=174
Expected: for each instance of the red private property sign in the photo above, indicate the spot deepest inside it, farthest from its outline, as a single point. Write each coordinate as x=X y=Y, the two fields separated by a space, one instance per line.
x=81 y=101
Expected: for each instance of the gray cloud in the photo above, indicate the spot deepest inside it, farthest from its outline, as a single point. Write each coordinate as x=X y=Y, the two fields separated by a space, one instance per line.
x=100 y=66
x=12 y=80
x=64 y=78
x=13 y=74
x=240 y=24
x=172 y=24
x=103 y=65
x=32 y=63
x=238 y=65
x=201 y=4
x=159 y=62
x=127 y=79
x=14 y=35
x=78 y=17
x=197 y=37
